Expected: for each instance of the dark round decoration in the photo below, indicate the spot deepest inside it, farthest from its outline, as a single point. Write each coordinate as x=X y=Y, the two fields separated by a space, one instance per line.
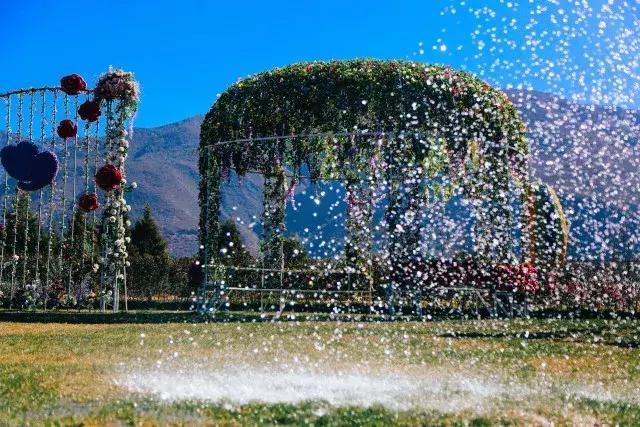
x=109 y=177
x=73 y=84
x=67 y=129
x=88 y=202
x=31 y=169
x=90 y=111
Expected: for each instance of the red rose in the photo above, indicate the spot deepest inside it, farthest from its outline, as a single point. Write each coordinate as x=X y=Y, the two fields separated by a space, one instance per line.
x=88 y=202
x=89 y=111
x=109 y=177
x=67 y=129
x=73 y=84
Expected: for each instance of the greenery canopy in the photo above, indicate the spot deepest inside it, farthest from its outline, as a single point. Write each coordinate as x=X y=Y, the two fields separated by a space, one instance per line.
x=339 y=96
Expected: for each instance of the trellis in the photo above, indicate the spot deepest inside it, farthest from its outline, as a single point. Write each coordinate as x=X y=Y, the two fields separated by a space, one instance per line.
x=49 y=246
x=351 y=279
x=434 y=129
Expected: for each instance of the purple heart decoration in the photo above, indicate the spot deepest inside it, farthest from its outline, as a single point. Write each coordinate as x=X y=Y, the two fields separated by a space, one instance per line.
x=16 y=159
x=31 y=169
x=44 y=168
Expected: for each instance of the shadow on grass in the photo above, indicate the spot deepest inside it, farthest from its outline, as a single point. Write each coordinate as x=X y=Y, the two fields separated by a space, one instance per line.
x=95 y=317
x=582 y=335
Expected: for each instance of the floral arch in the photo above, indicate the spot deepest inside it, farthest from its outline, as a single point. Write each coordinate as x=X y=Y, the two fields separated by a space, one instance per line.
x=418 y=132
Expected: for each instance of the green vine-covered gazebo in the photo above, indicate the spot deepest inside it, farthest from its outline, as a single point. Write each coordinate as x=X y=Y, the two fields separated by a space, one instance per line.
x=419 y=131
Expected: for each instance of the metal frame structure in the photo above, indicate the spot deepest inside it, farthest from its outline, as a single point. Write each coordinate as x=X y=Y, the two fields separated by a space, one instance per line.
x=216 y=296
x=63 y=258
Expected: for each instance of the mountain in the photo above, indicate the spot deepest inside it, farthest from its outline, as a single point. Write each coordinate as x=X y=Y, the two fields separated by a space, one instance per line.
x=163 y=162
x=590 y=154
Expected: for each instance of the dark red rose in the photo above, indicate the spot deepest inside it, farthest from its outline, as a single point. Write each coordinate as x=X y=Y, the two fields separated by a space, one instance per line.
x=67 y=129
x=89 y=111
x=109 y=177
x=73 y=84
x=88 y=202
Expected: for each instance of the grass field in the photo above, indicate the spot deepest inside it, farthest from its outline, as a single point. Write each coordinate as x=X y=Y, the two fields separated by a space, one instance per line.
x=98 y=369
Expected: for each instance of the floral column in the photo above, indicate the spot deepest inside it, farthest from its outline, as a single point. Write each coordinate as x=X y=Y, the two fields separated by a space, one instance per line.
x=117 y=91
x=274 y=217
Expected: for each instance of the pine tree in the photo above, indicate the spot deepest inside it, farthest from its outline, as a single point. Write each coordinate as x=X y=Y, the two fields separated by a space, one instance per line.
x=80 y=245
x=146 y=236
x=149 y=257
x=231 y=248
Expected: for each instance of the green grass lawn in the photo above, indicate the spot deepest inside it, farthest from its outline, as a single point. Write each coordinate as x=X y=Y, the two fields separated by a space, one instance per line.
x=518 y=372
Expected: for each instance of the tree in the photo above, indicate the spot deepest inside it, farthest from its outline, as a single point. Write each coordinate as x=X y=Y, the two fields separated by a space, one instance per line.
x=231 y=248
x=231 y=251
x=146 y=236
x=180 y=281
x=19 y=237
x=80 y=245
x=295 y=254
x=80 y=251
x=149 y=258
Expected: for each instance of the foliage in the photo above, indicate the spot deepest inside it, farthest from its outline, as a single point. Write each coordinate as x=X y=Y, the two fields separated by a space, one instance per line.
x=120 y=85
x=366 y=94
x=295 y=254
x=118 y=92
x=597 y=285
x=149 y=258
x=231 y=248
x=180 y=281
x=466 y=270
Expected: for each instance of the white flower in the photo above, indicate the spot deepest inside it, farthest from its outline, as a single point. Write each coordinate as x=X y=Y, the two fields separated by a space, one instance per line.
x=112 y=219
x=134 y=185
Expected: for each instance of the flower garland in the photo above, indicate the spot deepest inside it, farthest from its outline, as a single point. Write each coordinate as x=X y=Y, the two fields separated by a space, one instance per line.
x=118 y=92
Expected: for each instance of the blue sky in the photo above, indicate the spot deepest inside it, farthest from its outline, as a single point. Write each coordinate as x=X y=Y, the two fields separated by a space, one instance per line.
x=186 y=52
